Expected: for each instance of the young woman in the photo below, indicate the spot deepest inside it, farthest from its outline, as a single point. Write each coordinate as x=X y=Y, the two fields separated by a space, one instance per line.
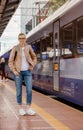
x=22 y=66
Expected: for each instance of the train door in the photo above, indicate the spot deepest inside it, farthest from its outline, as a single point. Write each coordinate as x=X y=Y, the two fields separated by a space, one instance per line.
x=56 y=56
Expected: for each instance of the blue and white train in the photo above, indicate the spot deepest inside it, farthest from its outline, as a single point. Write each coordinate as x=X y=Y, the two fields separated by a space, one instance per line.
x=58 y=43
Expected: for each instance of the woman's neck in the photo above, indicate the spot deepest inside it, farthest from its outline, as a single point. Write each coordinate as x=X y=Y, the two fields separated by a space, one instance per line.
x=22 y=44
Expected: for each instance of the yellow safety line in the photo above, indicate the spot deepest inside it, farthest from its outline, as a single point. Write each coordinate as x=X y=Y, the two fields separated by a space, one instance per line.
x=45 y=115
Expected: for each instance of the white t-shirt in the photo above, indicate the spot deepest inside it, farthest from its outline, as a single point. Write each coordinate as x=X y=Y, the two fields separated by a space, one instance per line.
x=25 y=64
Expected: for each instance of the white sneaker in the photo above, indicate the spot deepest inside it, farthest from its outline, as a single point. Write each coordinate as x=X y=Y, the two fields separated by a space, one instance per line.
x=31 y=112
x=22 y=112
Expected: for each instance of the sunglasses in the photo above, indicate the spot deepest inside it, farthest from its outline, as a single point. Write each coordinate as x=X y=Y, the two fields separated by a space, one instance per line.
x=22 y=38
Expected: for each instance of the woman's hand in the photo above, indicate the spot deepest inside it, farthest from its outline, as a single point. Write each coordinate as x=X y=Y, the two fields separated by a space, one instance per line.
x=16 y=73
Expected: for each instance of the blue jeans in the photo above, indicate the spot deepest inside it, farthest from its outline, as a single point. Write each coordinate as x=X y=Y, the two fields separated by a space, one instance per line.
x=27 y=77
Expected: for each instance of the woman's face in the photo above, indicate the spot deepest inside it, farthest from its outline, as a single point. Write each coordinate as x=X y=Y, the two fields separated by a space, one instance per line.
x=22 y=39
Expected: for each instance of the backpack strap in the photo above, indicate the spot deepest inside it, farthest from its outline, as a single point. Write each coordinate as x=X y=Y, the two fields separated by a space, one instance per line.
x=16 y=52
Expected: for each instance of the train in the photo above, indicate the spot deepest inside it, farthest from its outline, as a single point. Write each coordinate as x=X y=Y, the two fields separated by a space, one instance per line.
x=58 y=44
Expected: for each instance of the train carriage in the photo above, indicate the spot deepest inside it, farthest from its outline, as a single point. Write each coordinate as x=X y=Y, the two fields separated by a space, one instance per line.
x=58 y=43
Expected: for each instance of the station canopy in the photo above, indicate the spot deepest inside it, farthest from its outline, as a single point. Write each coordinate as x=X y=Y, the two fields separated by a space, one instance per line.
x=7 y=9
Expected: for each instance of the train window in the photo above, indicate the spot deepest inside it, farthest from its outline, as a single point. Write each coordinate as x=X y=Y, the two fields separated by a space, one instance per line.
x=44 y=56
x=36 y=48
x=80 y=35
x=44 y=44
x=47 y=46
x=67 y=41
x=66 y=51
x=68 y=33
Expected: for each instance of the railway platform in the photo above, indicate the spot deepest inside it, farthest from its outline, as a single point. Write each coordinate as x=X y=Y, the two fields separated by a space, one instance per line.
x=50 y=114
